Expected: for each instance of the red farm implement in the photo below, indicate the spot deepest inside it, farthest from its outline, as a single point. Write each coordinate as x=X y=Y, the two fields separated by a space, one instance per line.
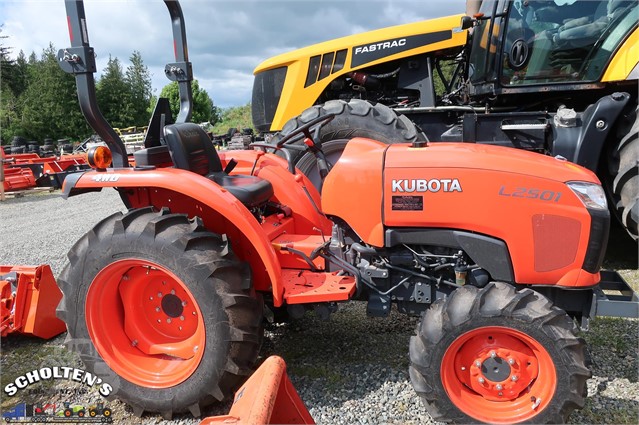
x=29 y=296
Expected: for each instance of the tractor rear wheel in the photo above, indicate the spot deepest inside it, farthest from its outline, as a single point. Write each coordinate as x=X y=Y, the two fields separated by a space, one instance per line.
x=624 y=174
x=498 y=356
x=355 y=118
x=161 y=310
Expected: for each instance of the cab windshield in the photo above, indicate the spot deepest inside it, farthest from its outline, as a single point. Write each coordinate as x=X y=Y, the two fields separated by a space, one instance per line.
x=563 y=40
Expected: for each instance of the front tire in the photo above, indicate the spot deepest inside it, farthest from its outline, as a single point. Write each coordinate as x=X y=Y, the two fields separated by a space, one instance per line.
x=496 y=355
x=355 y=118
x=161 y=310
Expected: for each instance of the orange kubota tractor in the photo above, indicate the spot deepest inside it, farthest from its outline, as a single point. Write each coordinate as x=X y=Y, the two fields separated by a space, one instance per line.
x=497 y=249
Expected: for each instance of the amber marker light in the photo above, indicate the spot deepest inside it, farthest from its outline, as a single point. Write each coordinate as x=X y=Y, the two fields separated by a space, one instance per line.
x=99 y=157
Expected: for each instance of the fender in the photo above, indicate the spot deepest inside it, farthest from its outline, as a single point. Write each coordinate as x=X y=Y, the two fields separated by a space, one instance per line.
x=583 y=144
x=220 y=211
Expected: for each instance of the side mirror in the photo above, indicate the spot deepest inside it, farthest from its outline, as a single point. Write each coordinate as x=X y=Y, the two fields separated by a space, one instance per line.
x=467 y=22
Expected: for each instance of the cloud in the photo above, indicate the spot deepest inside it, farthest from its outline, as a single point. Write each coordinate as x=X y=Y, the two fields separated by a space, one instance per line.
x=227 y=39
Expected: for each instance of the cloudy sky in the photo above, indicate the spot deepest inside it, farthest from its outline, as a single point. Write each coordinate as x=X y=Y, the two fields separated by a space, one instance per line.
x=227 y=38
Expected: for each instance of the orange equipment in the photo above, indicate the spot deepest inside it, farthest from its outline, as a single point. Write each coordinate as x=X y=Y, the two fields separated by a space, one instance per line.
x=268 y=397
x=18 y=179
x=29 y=296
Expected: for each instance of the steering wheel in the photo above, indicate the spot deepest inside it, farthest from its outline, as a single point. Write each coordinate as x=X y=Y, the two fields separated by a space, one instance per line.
x=291 y=141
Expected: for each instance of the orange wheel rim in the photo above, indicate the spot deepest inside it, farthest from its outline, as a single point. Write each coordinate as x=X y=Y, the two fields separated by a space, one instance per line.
x=498 y=375
x=157 y=340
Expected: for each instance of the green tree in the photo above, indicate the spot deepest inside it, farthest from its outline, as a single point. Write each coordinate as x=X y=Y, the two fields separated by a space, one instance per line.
x=234 y=117
x=114 y=96
x=202 y=103
x=138 y=79
x=50 y=103
x=20 y=75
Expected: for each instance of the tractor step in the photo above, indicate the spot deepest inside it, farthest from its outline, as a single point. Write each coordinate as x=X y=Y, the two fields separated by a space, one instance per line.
x=303 y=287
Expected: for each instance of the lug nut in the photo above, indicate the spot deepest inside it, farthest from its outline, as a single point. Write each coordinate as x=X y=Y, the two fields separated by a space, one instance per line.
x=168 y=320
x=183 y=303
x=511 y=361
x=493 y=354
x=157 y=309
x=514 y=378
x=481 y=380
x=159 y=294
x=182 y=318
x=172 y=291
x=477 y=363
x=197 y=347
x=499 y=387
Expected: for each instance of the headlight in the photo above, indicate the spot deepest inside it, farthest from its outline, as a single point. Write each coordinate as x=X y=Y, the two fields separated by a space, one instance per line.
x=591 y=194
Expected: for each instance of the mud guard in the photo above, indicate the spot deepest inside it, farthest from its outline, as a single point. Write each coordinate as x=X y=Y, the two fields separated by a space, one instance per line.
x=137 y=183
x=583 y=144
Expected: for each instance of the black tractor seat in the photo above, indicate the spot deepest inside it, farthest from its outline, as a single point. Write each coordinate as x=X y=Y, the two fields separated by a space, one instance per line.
x=191 y=149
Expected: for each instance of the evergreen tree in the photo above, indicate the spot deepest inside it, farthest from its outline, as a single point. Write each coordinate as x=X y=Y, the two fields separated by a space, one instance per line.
x=202 y=103
x=138 y=79
x=21 y=75
x=6 y=64
x=114 y=97
x=50 y=103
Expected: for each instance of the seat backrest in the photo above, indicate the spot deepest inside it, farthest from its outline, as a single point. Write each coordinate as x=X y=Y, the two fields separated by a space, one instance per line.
x=192 y=149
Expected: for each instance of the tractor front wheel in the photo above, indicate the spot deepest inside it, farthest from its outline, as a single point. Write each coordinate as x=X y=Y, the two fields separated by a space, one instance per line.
x=495 y=355
x=161 y=310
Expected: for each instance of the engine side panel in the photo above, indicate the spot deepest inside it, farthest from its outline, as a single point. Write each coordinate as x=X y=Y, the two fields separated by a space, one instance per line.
x=520 y=199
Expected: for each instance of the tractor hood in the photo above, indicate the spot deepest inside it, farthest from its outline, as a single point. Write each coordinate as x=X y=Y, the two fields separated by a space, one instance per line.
x=368 y=47
x=478 y=188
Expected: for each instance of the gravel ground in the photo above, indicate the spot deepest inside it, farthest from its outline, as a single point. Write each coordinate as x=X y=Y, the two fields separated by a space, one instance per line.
x=348 y=370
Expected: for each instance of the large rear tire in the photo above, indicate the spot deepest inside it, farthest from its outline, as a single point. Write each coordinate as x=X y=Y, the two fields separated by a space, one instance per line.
x=161 y=310
x=496 y=355
x=356 y=118
x=624 y=174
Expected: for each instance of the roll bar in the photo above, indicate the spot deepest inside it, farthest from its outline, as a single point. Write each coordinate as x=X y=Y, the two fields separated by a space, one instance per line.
x=79 y=60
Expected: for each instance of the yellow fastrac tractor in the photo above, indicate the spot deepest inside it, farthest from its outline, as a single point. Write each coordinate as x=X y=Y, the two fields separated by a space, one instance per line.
x=556 y=77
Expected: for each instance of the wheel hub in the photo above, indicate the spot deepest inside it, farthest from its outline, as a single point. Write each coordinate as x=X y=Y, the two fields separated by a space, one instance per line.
x=495 y=369
x=172 y=305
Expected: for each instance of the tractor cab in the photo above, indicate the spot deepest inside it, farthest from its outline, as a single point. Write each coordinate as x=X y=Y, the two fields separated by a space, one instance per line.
x=519 y=45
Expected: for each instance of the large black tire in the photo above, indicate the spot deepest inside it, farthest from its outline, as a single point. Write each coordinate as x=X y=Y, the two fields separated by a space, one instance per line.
x=623 y=183
x=216 y=282
x=461 y=339
x=356 y=118
x=19 y=141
